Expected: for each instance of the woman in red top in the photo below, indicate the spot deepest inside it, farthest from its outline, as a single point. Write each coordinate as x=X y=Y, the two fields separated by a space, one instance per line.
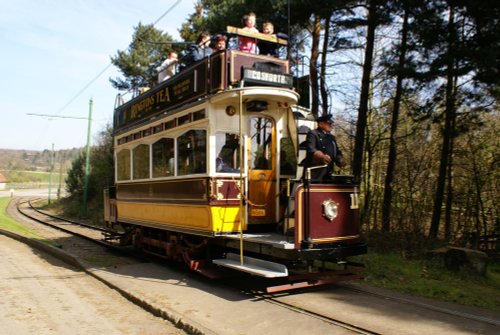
x=248 y=44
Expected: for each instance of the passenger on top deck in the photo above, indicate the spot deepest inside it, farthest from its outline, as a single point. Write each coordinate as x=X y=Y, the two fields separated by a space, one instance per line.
x=167 y=69
x=248 y=44
x=265 y=47
x=199 y=50
x=220 y=43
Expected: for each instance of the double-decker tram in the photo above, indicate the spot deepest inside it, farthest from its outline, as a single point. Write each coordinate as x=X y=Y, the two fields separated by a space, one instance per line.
x=206 y=172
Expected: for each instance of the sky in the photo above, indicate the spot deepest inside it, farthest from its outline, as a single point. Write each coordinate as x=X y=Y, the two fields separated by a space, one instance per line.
x=55 y=57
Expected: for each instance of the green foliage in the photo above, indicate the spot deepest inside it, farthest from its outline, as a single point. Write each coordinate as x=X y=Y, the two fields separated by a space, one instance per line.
x=215 y=15
x=74 y=182
x=101 y=176
x=422 y=278
x=149 y=47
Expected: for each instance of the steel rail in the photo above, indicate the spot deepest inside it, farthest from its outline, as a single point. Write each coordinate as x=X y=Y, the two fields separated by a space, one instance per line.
x=58 y=227
x=426 y=306
x=327 y=319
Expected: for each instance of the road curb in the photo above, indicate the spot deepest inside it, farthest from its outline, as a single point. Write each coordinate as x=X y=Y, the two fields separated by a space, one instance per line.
x=180 y=321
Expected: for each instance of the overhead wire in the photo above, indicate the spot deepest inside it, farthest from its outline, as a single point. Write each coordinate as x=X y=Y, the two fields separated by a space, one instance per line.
x=80 y=92
x=84 y=88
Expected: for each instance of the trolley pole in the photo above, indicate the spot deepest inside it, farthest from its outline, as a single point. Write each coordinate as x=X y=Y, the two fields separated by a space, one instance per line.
x=87 y=162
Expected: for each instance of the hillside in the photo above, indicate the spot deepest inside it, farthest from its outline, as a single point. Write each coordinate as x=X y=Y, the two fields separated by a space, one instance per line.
x=13 y=162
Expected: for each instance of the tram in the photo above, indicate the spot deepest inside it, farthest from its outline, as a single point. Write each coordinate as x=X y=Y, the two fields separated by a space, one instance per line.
x=207 y=173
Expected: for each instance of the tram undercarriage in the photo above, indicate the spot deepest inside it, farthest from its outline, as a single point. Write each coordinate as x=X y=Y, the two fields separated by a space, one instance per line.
x=269 y=255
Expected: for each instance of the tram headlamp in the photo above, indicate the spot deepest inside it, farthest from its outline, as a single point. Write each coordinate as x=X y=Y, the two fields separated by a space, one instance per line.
x=230 y=110
x=330 y=209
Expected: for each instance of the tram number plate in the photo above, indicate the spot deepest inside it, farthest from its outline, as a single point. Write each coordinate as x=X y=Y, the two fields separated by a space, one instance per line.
x=257 y=212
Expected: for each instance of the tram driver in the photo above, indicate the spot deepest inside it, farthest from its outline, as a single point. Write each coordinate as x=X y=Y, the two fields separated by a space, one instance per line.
x=322 y=149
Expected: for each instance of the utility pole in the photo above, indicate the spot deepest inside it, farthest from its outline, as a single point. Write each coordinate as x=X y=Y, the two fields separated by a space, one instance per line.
x=83 y=210
x=87 y=162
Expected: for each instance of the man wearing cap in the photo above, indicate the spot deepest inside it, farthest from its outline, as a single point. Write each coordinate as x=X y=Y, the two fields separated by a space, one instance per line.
x=322 y=149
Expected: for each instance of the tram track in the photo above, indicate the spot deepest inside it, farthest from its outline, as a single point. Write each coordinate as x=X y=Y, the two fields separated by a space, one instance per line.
x=61 y=223
x=345 y=325
x=93 y=236
x=88 y=233
x=79 y=239
x=421 y=304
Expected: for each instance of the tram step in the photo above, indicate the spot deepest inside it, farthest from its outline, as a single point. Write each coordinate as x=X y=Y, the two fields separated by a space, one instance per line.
x=254 y=266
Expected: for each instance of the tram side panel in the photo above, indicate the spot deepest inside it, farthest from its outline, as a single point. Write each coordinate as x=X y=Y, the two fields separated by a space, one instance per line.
x=201 y=206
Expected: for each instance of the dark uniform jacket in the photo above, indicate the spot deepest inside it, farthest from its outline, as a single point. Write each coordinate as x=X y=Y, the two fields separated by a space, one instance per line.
x=196 y=53
x=325 y=142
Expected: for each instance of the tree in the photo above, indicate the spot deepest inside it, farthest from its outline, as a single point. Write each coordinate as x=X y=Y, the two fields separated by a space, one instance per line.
x=149 y=47
x=391 y=164
x=101 y=174
x=372 y=22
x=74 y=181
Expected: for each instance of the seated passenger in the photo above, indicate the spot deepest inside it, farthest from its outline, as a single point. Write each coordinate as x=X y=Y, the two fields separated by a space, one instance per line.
x=225 y=161
x=265 y=47
x=220 y=43
x=221 y=166
x=167 y=69
x=199 y=50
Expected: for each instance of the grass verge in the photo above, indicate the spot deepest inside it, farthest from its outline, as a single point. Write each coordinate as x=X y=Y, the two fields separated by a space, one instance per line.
x=7 y=223
x=426 y=279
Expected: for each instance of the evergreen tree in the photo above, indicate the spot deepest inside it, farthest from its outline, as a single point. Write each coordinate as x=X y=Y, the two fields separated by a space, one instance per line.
x=149 y=47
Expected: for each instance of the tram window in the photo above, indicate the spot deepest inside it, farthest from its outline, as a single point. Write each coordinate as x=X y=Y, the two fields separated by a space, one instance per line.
x=140 y=158
x=163 y=158
x=192 y=152
x=123 y=165
x=261 y=134
x=183 y=119
x=170 y=124
x=288 y=158
x=199 y=115
x=227 y=148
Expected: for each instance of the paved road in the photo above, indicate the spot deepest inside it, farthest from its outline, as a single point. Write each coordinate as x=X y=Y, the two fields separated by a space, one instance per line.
x=41 y=295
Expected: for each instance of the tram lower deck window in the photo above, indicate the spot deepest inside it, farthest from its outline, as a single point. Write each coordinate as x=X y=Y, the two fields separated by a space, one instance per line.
x=123 y=165
x=141 y=161
x=227 y=148
x=192 y=152
x=163 y=158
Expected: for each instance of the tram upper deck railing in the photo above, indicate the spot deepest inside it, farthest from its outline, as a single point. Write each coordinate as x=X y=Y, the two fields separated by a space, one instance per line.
x=257 y=36
x=221 y=71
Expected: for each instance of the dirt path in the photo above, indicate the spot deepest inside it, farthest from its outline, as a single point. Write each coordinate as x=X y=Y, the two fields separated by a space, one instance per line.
x=41 y=295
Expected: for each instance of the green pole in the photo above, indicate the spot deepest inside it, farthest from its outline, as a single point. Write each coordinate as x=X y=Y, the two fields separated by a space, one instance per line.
x=50 y=170
x=87 y=162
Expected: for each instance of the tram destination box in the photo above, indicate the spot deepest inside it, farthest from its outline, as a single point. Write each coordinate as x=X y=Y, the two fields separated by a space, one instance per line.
x=260 y=77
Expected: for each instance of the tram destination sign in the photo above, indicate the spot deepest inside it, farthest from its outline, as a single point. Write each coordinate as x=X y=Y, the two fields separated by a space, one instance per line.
x=260 y=77
x=187 y=86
